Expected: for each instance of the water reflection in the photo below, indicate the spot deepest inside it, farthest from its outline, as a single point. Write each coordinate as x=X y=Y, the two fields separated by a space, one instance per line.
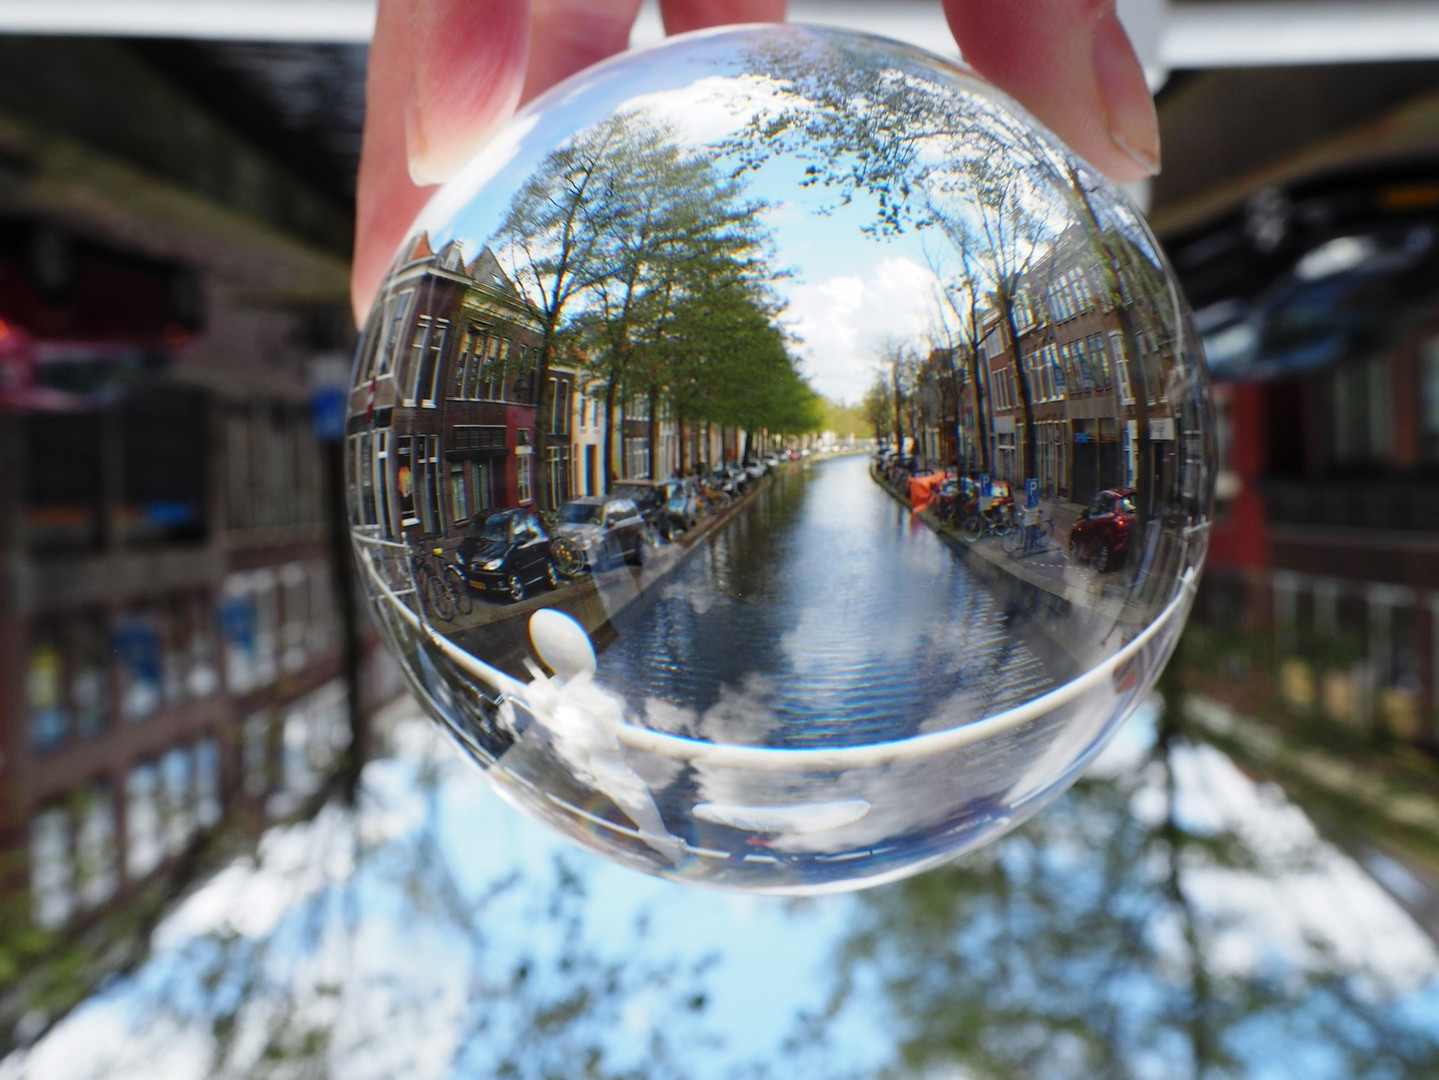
x=1172 y=918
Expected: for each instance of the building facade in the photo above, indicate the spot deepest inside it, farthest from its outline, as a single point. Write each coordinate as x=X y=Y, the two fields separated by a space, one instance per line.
x=168 y=618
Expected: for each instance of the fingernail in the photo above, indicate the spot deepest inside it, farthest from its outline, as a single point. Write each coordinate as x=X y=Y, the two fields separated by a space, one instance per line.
x=1133 y=123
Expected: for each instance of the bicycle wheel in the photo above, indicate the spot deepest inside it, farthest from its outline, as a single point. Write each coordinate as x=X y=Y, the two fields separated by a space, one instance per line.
x=459 y=590
x=437 y=596
x=1011 y=540
x=973 y=528
x=566 y=558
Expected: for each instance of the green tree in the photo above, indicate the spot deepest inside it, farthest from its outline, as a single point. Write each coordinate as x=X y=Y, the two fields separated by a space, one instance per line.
x=606 y=237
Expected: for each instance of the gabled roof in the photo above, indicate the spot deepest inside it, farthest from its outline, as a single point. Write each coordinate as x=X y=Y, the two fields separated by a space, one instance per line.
x=485 y=268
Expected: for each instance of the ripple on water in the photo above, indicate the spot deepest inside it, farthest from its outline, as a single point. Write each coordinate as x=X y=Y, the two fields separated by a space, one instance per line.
x=822 y=614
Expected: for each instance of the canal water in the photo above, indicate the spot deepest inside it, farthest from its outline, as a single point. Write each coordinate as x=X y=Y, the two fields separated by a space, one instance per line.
x=821 y=614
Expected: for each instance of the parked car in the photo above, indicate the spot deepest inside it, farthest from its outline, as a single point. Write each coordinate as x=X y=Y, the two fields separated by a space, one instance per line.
x=738 y=477
x=605 y=529
x=505 y=552
x=648 y=495
x=1101 y=534
x=683 y=505
x=729 y=480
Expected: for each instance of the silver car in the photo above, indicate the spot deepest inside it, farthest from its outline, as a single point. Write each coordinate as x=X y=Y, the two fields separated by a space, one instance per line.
x=605 y=530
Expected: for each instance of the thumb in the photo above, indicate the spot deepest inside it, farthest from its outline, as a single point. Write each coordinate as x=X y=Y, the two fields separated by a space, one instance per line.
x=1071 y=64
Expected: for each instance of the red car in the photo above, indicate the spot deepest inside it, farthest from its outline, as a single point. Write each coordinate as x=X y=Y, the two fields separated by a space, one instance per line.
x=1101 y=534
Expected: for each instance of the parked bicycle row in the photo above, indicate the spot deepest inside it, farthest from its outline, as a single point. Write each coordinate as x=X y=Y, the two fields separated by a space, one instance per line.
x=1098 y=536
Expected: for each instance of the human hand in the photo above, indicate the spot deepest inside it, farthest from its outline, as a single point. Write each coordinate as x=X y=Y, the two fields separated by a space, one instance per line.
x=443 y=74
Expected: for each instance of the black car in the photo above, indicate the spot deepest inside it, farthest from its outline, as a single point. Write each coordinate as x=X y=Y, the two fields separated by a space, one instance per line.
x=505 y=552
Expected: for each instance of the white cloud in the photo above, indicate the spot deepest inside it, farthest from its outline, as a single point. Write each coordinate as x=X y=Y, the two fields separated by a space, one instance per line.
x=844 y=322
x=707 y=110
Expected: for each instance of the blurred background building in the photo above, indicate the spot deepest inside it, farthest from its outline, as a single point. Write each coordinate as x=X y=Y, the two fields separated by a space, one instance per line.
x=174 y=333
x=178 y=642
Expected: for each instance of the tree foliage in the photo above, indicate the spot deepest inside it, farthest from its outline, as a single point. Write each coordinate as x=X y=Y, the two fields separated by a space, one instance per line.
x=656 y=265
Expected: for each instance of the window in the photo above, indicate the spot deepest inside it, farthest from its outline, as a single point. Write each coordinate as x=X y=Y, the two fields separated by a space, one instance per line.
x=384 y=503
x=1121 y=367
x=207 y=782
x=90 y=675
x=322 y=610
x=459 y=500
x=427 y=482
x=138 y=649
x=637 y=457
x=557 y=462
x=524 y=478
x=176 y=799
x=481 y=485
x=1099 y=358
x=363 y=480
x=1429 y=398
x=1360 y=412
x=295 y=597
x=559 y=406
x=298 y=767
x=397 y=312
x=174 y=650
x=267 y=626
x=405 y=481
x=467 y=360
x=237 y=626
x=203 y=679
x=52 y=876
x=143 y=846
x=427 y=346
x=1056 y=370
x=249 y=622
x=490 y=357
x=255 y=753
x=96 y=852
x=44 y=690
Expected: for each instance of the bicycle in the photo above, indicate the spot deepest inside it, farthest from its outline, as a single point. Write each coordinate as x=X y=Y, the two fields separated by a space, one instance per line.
x=565 y=555
x=444 y=590
x=714 y=496
x=997 y=521
x=1030 y=539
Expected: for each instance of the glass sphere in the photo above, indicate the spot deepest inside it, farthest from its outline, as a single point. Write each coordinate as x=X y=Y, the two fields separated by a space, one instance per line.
x=777 y=461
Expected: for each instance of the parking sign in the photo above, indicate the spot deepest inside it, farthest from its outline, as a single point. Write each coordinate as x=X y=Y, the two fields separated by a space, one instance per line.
x=1031 y=493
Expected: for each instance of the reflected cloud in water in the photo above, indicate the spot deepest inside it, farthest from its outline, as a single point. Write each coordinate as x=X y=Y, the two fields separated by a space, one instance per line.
x=1170 y=916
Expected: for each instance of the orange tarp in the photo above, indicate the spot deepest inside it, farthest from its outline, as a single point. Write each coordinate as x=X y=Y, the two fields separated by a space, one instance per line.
x=922 y=489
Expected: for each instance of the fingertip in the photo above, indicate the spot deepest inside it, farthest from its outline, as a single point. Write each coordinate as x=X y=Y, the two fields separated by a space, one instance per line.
x=683 y=15
x=1071 y=64
x=469 y=64
x=567 y=36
